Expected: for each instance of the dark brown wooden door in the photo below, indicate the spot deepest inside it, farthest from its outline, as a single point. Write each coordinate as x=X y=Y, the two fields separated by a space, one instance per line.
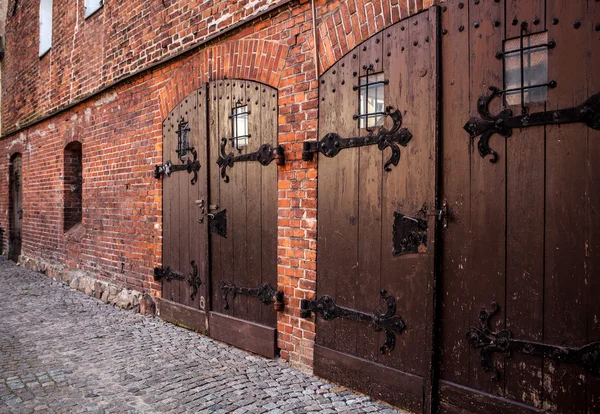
x=185 y=227
x=244 y=194
x=16 y=208
x=361 y=205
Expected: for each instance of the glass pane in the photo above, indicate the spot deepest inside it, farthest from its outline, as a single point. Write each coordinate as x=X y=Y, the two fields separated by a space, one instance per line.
x=45 y=26
x=371 y=101
x=535 y=68
x=240 y=126
x=91 y=6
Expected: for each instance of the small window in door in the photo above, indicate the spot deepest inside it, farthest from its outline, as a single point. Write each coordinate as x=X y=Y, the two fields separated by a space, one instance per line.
x=92 y=6
x=371 y=101
x=526 y=69
x=45 y=26
x=239 y=123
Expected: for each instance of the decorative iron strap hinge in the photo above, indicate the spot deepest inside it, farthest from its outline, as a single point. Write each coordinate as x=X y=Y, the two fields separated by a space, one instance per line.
x=332 y=143
x=587 y=357
x=169 y=275
x=503 y=123
x=265 y=155
x=191 y=166
x=388 y=321
x=265 y=293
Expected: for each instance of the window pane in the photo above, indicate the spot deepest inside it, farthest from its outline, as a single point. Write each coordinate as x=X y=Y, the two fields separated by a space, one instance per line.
x=371 y=101
x=45 y=26
x=240 y=126
x=535 y=68
x=91 y=6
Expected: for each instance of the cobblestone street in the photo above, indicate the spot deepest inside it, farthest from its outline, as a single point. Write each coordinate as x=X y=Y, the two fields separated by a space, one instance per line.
x=62 y=351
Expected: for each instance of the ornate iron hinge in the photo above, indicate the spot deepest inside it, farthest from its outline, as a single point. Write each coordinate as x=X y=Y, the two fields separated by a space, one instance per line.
x=503 y=123
x=587 y=357
x=265 y=293
x=169 y=274
x=191 y=166
x=388 y=321
x=217 y=223
x=265 y=155
x=332 y=143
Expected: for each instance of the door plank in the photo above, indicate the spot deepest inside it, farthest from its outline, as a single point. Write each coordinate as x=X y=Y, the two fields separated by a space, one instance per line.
x=565 y=292
x=525 y=155
x=488 y=186
x=216 y=273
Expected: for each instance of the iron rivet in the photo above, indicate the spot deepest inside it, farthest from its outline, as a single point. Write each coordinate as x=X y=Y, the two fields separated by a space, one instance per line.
x=376 y=40
x=445 y=8
x=577 y=24
x=264 y=90
x=476 y=2
x=322 y=99
x=416 y=22
x=334 y=72
x=389 y=35
x=333 y=90
x=354 y=74
x=461 y=28
x=499 y=55
x=256 y=88
x=402 y=28
x=264 y=105
x=273 y=95
x=598 y=27
x=255 y=102
x=377 y=60
x=364 y=48
x=555 y=21
x=389 y=54
x=444 y=31
x=343 y=82
x=497 y=23
x=461 y=5
x=515 y=22
x=322 y=81
x=476 y=25
x=536 y=21
x=427 y=39
x=343 y=64
x=354 y=56
x=402 y=49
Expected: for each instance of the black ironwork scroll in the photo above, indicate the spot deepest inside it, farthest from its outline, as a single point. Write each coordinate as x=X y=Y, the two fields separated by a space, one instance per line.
x=191 y=166
x=265 y=155
x=502 y=124
x=167 y=274
x=194 y=280
x=391 y=323
x=587 y=357
x=332 y=143
x=265 y=293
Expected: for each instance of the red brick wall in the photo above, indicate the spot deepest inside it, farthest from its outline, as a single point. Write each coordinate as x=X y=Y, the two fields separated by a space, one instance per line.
x=120 y=129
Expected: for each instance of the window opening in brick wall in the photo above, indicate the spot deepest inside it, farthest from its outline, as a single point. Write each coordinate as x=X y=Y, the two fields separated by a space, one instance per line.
x=73 y=185
x=92 y=6
x=371 y=100
x=526 y=68
x=45 y=26
x=239 y=125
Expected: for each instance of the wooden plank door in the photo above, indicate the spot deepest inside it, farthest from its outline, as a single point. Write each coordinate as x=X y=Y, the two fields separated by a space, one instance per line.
x=185 y=226
x=243 y=208
x=16 y=208
x=376 y=224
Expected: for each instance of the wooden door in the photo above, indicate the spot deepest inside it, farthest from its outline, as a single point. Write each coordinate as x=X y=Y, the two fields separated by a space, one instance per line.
x=520 y=331
x=16 y=208
x=376 y=220
x=185 y=204
x=243 y=208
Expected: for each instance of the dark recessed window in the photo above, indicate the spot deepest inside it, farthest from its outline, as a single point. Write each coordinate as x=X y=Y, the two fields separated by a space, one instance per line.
x=73 y=185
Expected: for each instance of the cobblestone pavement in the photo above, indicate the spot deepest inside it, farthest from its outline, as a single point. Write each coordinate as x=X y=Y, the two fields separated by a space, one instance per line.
x=62 y=351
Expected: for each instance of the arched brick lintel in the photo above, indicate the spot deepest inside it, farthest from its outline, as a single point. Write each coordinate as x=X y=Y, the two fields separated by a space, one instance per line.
x=348 y=24
x=249 y=59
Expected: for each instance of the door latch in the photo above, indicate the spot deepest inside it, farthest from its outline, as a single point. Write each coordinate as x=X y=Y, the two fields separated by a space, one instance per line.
x=201 y=205
x=441 y=214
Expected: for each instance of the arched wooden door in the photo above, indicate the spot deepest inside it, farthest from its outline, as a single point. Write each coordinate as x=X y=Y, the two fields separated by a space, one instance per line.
x=377 y=215
x=16 y=208
x=220 y=214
